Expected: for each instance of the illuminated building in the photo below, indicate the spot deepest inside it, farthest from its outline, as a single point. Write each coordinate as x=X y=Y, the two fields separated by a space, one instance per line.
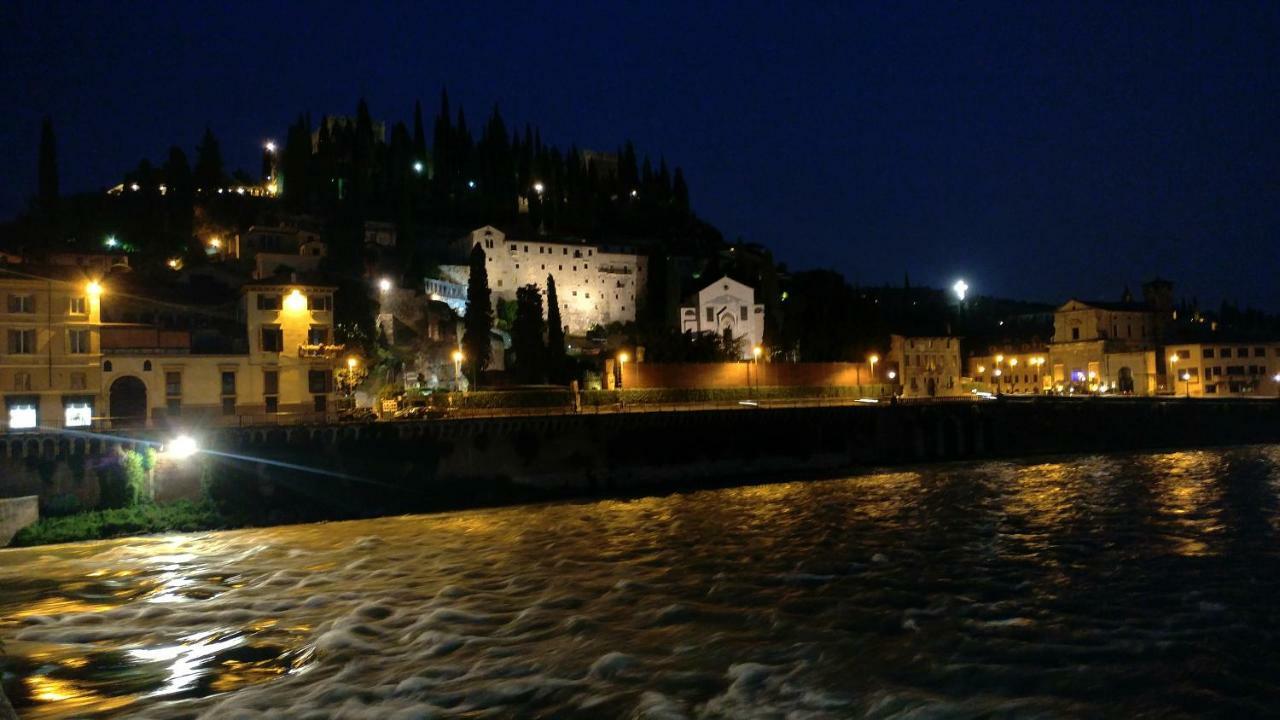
x=726 y=306
x=1222 y=369
x=50 y=326
x=595 y=284
x=925 y=366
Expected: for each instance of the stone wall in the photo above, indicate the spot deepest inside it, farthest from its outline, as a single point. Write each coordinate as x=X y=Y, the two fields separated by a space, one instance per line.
x=738 y=374
x=15 y=514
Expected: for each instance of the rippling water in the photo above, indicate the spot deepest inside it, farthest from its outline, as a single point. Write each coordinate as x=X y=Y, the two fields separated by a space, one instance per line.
x=1125 y=586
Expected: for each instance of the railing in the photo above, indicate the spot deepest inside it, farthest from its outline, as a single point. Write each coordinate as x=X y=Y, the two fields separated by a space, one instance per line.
x=320 y=351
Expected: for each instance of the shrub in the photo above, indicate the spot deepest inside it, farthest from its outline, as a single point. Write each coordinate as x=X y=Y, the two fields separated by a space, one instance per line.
x=123 y=482
x=182 y=516
x=65 y=504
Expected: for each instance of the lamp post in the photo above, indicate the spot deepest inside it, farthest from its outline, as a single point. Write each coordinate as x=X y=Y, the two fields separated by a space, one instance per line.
x=756 y=352
x=1276 y=378
x=457 y=368
x=1173 y=370
x=622 y=367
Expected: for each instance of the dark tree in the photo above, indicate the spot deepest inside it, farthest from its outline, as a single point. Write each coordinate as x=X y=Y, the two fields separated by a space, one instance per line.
x=47 y=189
x=680 y=193
x=556 y=366
x=479 y=319
x=526 y=336
x=209 y=173
x=419 y=134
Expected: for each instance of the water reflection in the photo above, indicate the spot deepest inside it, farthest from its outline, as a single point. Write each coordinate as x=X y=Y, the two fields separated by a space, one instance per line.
x=1078 y=587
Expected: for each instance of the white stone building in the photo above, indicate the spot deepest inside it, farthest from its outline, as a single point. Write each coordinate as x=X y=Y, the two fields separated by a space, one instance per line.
x=726 y=304
x=595 y=284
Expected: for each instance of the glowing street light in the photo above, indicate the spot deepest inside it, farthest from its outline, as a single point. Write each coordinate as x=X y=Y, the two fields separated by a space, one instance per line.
x=418 y=167
x=181 y=447
x=384 y=285
x=352 y=363
x=1186 y=378
x=538 y=187
x=960 y=289
x=872 y=359
x=622 y=367
x=457 y=367
x=93 y=288
x=270 y=146
x=111 y=241
x=893 y=374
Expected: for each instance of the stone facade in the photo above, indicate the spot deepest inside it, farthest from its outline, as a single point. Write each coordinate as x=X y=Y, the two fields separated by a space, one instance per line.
x=925 y=366
x=726 y=305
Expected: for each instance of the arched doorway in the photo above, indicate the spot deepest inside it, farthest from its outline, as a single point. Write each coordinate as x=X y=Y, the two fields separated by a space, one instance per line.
x=1125 y=383
x=128 y=402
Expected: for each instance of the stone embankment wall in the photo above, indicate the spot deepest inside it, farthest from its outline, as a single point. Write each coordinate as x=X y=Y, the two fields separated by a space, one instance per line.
x=743 y=374
x=311 y=472
x=15 y=514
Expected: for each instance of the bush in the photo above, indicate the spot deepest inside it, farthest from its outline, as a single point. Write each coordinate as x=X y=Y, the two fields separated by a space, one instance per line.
x=65 y=504
x=182 y=516
x=123 y=482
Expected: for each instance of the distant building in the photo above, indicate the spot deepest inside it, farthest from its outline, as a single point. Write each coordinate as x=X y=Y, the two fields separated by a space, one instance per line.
x=50 y=320
x=272 y=249
x=1223 y=369
x=1013 y=371
x=450 y=293
x=1111 y=346
x=924 y=366
x=726 y=306
x=382 y=234
x=286 y=374
x=595 y=284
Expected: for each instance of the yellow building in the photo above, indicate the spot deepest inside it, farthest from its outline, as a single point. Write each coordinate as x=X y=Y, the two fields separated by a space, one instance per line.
x=925 y=366
x=1222 y=369
x=1013 y=372
x=1111 y=346
x=286 y=375
x=49 y=363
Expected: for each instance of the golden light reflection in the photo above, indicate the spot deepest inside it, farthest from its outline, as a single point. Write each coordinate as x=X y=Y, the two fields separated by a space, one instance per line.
x=59 y=606
x=1188 y=497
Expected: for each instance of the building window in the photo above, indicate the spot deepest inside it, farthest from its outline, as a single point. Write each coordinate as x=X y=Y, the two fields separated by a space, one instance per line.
x=320 y=403
x=146 y=366
x=711 y=314
x=270 y=382
x=1225 y=353
x=78 y=342
x=22 y=381
x=318 y=335
x=22 y=342
x=1207 y=353
x=1075 y=333
x=228 y=406
x=228 y=382
x=22 y=303
x=272 y=404
x=1242 y=352
x=320 y=303
x=23 y=415
x=744 y=312
x=172 y=383
x=79 y=381
x=78 y=306
x=268 y=302
x=272 y=338
x=1259 y=352
x=318 y=381
x=106 y=366
x=77 y=413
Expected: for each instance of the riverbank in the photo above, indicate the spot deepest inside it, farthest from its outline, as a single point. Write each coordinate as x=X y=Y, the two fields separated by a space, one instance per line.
x=271 y=476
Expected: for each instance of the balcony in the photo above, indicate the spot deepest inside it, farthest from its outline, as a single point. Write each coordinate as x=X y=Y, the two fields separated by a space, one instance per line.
x=320 y=351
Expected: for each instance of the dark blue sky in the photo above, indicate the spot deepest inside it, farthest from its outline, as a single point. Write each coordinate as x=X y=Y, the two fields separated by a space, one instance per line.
x=1039 y=150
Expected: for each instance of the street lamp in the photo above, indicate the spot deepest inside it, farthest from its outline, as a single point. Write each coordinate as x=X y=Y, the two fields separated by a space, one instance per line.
x=961 y=288
x=270 y=146
x=538 y=187
x=418 y=167
x=872 y=359
x=457 y=368
x=1276 y=378
x=1173 y=370
x=1186 y=377
x=93 y=288
x=384 y=285
x=181 y=447
x=622 y=367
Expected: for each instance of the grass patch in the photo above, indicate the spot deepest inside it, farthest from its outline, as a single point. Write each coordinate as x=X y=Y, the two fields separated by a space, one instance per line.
x=181 y=516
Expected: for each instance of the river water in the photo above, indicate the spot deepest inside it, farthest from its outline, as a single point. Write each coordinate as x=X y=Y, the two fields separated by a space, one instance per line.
x=1125 y=586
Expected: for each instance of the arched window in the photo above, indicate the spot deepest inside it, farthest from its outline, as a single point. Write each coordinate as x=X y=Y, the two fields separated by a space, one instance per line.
x=146 y=365
x=106 y=366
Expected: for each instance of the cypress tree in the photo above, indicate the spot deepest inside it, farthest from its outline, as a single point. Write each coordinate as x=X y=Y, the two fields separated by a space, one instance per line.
x=479 y=319
x=419 y=134
x=47 y=187
x=680 y=192
x=555 y=334
x=527 y=335
x=209 y=173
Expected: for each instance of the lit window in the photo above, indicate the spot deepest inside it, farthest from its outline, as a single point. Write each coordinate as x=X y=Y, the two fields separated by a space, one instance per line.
x=22 y=416
x=318 y=335
x=78 y=306
x=79 y=414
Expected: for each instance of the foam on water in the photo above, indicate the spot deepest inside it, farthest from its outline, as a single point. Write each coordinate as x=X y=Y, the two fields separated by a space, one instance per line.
x=1075 y=588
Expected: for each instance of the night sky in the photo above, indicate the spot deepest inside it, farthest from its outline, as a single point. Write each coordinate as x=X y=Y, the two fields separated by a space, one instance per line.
x=1040 y=150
